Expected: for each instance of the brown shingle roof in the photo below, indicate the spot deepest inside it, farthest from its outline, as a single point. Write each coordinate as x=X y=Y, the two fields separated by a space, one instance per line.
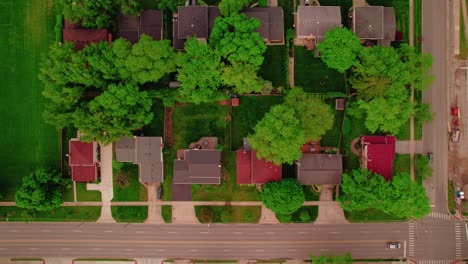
x=192 y=21
x=151 y=23
x=271 y=22
x=82 y=160
x=316 y=20
x=389 y=24
x=198 y=167
x=368 y=22
x=84 y=37
x=319 y=169
x=125 y=149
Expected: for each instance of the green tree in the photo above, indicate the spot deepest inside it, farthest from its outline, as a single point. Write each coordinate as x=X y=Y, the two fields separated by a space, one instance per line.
x=332 y=259
x=234 y=37
x=340 y=49
x=41 y=190
x=422 y=167
x=283 y=197
x=370 y=87
x=423 y=113
x=243 y=78
x=91 y=13
x=116 y=112
x=417 y=65
x=169 y=5
x=199 y=72
x=130 y=7
x=315 y=116
x=229 y=7
x=149 y=60
x=278 y=136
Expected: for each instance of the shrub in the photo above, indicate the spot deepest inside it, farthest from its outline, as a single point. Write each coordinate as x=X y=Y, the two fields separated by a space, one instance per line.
x=304 y=216
x=206 y=214
x=59 y=28
x=262 y=3
x=226 y=215
x=248 y=216
x=284 y=218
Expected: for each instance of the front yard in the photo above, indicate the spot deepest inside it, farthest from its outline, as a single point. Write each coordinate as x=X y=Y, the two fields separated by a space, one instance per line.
x=127 y=187
x=228 y=214
x=61 y=214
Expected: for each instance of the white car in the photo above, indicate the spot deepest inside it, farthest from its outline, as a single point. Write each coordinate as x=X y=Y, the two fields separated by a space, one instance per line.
x=393 y=245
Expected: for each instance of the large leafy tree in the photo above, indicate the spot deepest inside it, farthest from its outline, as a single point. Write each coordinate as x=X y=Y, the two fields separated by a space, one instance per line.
x=234 y=37
x=199 y=72
x=400 y=196
x=316 y=116
x=340 y=49
x=229 y=7
x=41 y=190
x=278 y=136
x=118 y=111
x=243 y=78
x=130 y=7
x=91 y=13
x=283 y=197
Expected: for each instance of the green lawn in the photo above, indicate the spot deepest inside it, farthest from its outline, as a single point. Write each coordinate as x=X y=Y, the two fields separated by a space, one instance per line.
x=417 y=12
x=371 y=215
x=288 y=7
x=247 y=114
x=27 y=141
x=133 y=214
x=272 y=67
x=352 y=128
x=405 y=131
x=228 y=214
x=126 y=184
x=83 y=195
x=166 y=212
x=333 y=136
x=190 y=123
x=313 y=75
x=401 y=13
x=402 y=163
x=463 y=45
x=450 y=198
x=309 y=214
x=62 y=214
x=310 y=194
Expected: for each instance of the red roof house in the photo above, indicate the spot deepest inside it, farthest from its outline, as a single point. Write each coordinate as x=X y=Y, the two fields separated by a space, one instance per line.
x=378 y=154
x=83 y=37
x=82 y=160
x=252 y=170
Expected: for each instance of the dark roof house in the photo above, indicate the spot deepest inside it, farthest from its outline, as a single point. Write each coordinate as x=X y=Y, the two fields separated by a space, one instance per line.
x=198 y=166
x=315 y=21
x=150 y=22
x=374 y=23
x=83 y=160
x=319 y=169
x=271 y=23
x=83 y=37
x=252 y=170
x=378 y=154
x=144 y=151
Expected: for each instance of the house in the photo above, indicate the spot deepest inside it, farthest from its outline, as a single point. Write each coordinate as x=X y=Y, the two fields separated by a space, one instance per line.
x=198 y=21
x=149 y=22
x=144 y=151
x=319 y=169
x=314 y=21
x=378 y=154
x=83 y=160
x=374 y=23
x=83 y=37
x=252 y=170
x=271 y=23
x=198 y=166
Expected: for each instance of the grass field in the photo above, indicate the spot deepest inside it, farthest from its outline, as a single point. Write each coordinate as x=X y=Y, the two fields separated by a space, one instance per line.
x=305 y=214
x=417 y=12
x=228 y=214
x=62 y=214
x=166 y=213
x=402 y=163
x=333 y=136
x=371 y=215
x=27 y=141
x=83 y=195
x=352 y=129
x=272 y=67
x=247 y=114
x=463 y=44
x=126 y=184
x=313 y=75
x=131 y=214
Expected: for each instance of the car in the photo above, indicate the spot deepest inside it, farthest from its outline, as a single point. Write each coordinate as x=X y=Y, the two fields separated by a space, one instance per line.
x=393 y=245
x=430 y=156
x=159 y=192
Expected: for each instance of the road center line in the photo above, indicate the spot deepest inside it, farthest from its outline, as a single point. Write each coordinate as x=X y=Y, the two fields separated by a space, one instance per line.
x=77 y=231
x=302 y=233
x=140 y=232
x=291 y=250
x=171 y=232
x=237 y=233
x=45 y=230
x=335 y=232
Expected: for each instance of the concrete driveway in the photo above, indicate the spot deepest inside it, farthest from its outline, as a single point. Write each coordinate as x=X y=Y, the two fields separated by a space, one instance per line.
x=154 y=210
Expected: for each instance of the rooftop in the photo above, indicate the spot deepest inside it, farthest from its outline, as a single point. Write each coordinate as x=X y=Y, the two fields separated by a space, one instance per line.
x=378 y=154
x=198 y=166
x=317 y=20
x=374 y=22
x=82 y=160
x=319 y=169
x=252 y=170
x=82 y=37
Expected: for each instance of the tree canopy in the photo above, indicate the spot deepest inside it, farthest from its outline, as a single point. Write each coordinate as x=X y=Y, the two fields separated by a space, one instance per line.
x=41 y=190
x=278 y=136
x=422 y=167
x=234 y=37
x=91 y=13
x=229 y=7
x=283 y=197
x=400 y=196
x=315 y=116
x=199 y=72
x=116 y=112
x=243 y=78
x=340 y=49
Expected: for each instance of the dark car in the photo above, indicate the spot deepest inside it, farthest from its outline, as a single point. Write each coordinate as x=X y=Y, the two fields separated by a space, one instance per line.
x=430 y=156
x=393 y=245
x=159 y=192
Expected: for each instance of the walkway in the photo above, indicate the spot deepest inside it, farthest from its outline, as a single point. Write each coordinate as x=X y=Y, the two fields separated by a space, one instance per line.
x=329 y=212
x=403 y=147
x=154 y=210
x=268 y=217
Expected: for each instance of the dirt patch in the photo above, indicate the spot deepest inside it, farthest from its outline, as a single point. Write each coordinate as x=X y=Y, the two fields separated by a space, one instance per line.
x=168 y=126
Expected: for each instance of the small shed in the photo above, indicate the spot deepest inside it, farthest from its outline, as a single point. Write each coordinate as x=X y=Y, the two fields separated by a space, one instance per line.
x=235 y=101
x=339 y=104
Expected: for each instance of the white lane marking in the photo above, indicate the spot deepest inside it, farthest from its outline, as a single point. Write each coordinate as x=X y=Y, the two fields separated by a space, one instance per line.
x=270 y=233
x=128 y=249
x=237 y=233
x=65 y=248
x=302 y=233
x=13 y=231
x=227 y=250
x=193 y=250
x=404 y=249
x=355 y=249
x=324 y=249
x=2 y=249
x=108 y=231
x=140 y=232
x=259 y=250
x=32 y=248
x=97 y=249
x=159 y=249
x=45 y=230
x=171 y=232
x=335 y=232
x=466 y=231
x=204 y=232
x=396 y=231
x=77 y=231
x=365 y=232
x=291 y=250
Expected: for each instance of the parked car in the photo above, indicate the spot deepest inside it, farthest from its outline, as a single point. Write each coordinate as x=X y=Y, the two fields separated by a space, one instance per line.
x=159 y=192
x=430 y=156
x=393 y=245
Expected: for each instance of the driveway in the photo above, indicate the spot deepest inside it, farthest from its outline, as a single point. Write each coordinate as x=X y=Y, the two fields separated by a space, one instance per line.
x=329 y=213
x=184 y=214
x=154 y=210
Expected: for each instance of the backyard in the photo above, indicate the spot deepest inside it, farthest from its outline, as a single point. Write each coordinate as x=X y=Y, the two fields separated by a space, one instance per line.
x=272 y=67
x=401 y=14
x=314 y=76
x=190 y=123
x=27 y=141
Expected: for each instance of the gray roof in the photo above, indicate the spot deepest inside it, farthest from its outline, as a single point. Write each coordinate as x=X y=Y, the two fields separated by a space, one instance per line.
x=150 y=22
x=316 y=20
x=198 y=167
x=389 y=23
x=271 y=22
x=368 y=22
x=125 y=149
x=149 y=158
x=192 y=21
x=319 y=169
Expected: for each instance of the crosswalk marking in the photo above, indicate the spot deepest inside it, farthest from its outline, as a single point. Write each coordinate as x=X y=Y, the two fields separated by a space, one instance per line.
x=440 y=215
x=458 y=243
x=435 y=261
x=411 y=239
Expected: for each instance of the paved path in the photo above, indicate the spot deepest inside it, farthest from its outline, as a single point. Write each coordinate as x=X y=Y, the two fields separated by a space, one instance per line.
x=403 y=147
x=154 y=210
x=184 y=214
x=330 y=212
x=267 y=217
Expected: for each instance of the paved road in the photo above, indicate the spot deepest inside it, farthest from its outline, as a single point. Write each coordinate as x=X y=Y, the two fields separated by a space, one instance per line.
x=225 y=241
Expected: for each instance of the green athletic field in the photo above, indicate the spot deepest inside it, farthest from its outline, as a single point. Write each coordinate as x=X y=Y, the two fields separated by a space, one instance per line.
x=26 y=141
